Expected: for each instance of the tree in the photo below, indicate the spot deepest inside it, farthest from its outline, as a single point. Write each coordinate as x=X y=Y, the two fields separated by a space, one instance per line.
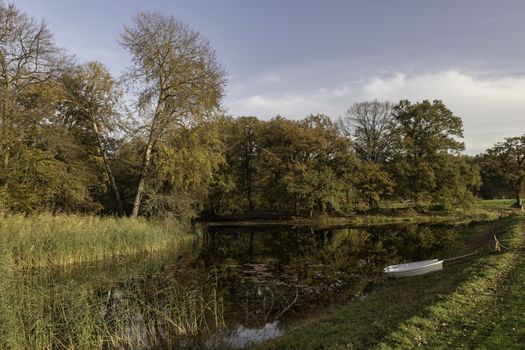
x=371 y=184
x=29 y=60
x=508 y=161
x=91 y=99
x=42 y=166
x=244 y=151
x=369 y=125
x=425 y=135
x=179 y=78
x=306 y=165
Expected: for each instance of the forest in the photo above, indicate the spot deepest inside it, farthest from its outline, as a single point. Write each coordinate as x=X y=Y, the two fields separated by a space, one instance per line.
x=157 y=140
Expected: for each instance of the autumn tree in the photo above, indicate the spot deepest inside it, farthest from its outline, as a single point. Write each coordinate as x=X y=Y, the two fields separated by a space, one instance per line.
x=90 y=103
x=426 y=135
x=177 y=76
x=306 y=164
x=42 y=167
x=244 y=151
x=507 y=159
x=29 y=60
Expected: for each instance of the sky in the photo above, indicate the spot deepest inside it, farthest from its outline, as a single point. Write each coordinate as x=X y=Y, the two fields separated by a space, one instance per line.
x=299 y=57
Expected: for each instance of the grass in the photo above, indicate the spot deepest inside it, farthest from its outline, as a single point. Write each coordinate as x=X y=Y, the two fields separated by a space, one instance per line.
x=486 y=312
x=45 y=240
x=53 y=297
x=45 y=312
x=482 y=210
x=474 y=303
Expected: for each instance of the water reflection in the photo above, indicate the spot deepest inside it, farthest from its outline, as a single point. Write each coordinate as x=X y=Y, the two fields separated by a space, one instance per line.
x=274 y=274
x=233 y=287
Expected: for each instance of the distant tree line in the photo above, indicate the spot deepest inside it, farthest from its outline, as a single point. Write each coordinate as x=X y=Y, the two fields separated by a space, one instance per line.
x=75 y=139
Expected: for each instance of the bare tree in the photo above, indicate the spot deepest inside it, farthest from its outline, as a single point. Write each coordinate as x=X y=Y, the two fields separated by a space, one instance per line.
x=369 y=125
x=177 y=76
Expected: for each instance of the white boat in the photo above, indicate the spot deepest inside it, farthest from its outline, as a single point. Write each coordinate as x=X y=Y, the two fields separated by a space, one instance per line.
x=414 y=268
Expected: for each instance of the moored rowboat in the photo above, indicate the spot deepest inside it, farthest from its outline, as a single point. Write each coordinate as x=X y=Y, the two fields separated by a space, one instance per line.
x=414 y=268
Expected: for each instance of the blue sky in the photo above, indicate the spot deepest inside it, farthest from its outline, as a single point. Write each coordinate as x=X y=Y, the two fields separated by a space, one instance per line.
x=296 y=57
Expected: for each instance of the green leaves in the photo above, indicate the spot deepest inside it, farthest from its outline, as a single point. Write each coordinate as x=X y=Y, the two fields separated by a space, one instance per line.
x=507 y=161
x=426 y=162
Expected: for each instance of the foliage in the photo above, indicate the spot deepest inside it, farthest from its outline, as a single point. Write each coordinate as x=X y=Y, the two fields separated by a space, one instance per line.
x=183 y=168
x=506 y=160
x=70 y=142
x=425 y=163
x=178 y=78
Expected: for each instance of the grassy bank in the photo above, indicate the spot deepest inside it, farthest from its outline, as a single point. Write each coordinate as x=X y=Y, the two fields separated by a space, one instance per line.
x=47 y=240
x=472 y=303
x=483 y=210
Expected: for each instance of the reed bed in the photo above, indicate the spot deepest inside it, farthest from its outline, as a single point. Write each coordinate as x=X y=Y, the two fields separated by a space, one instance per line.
x=53 y=298
x=40 y=312
x=46 y=240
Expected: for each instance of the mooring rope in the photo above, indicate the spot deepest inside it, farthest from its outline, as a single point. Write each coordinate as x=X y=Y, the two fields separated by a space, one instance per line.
x=497 y=248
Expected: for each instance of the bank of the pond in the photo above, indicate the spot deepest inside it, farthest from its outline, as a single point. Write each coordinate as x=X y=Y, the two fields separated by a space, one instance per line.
x=46 y=240
x=475 y=303
x=486 y=210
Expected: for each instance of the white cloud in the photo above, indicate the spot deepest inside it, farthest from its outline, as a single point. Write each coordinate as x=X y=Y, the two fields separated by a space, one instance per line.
x=269 y=78
x=491 y=108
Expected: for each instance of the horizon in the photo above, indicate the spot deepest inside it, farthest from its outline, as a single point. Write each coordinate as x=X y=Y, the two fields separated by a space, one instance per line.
x=280 y=62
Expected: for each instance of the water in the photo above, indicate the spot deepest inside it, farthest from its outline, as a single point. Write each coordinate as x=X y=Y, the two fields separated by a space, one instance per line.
x=249 y=283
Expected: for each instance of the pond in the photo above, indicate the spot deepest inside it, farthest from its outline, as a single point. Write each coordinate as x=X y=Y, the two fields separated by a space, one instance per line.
x=231 y=287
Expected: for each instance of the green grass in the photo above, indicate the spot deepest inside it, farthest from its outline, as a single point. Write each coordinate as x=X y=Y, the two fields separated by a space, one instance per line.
x=486 y=312
x=46 y=240
x=482 y=210
x=496 y=203
x=474 y=303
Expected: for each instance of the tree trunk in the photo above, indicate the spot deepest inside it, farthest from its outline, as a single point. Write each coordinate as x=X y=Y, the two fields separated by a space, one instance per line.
x=140 y=187
x=517 y=189
x=250 y=193
x=111 y=178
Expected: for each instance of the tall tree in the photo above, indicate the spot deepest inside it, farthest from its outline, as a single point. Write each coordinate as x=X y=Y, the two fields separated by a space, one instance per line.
x=245 y=147
x=508 y=161
x=425 y=134
x=42 y=165
x=29 y=59
x=178 y=77
x=369 y=125
x=91 y=100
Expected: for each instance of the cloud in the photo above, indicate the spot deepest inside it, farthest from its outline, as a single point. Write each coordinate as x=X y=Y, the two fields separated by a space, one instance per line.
x=269 y=78
x=491 y=108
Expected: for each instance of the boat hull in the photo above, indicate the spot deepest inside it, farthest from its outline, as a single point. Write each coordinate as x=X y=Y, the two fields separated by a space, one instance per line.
x=414 y=269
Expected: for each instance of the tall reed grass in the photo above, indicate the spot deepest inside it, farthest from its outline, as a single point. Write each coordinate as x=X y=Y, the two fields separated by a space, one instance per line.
x=51 y=299
x=47 y=240
x=41 y=312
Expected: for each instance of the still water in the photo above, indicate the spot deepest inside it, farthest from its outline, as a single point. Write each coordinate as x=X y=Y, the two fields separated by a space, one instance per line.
x=234 y=285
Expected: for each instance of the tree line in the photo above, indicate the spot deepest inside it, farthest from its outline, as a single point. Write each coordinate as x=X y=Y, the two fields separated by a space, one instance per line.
x=156 y=141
